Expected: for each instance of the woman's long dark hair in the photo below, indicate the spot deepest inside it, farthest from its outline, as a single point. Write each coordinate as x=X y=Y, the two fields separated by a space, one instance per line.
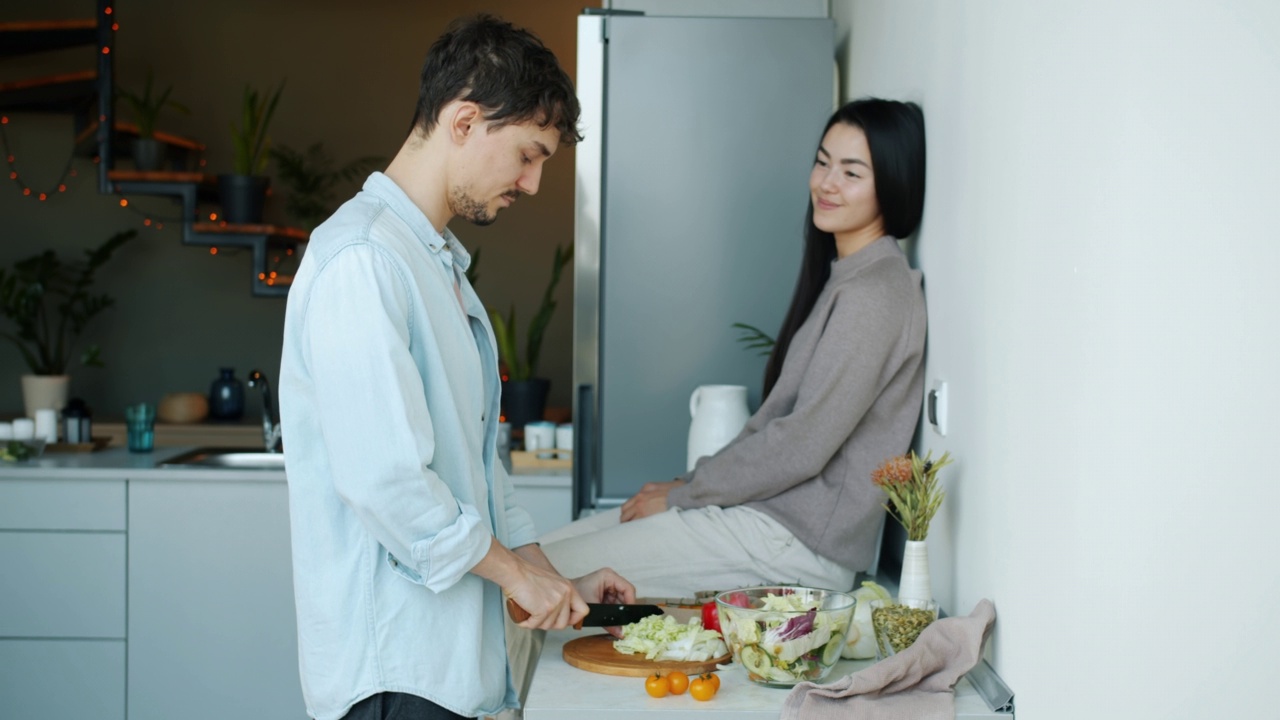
x=895 y=136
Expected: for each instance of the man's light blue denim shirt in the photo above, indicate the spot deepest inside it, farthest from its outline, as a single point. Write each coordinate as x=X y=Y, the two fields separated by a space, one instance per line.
x=389 y=404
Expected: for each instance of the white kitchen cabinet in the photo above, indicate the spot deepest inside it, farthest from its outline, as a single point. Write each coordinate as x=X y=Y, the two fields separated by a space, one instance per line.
x=62 y=607
x=62 y=679
x=62 y=585
x=548 y=498
x=212 y=631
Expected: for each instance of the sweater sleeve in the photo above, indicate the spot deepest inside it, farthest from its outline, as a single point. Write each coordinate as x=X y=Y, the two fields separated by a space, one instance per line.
x=843 y=378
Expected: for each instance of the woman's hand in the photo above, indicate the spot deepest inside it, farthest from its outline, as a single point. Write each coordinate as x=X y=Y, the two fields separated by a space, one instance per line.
x=651 y=500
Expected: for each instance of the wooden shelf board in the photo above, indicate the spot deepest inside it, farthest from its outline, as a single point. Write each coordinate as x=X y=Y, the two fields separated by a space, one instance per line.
x=131 y=130
x=45 y=25
x=276 y=231
x=158 y=176
x=49 y=81
x=19 y=37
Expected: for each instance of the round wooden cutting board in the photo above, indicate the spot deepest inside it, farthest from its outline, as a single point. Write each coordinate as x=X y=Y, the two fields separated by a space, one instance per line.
x=595 y=653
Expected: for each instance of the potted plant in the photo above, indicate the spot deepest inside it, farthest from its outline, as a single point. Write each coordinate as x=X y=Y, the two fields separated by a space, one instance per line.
x=312 y=180
x=524 y=394
x=911 y=486
x=244 y=191
x=148 y=153
x=51 y=301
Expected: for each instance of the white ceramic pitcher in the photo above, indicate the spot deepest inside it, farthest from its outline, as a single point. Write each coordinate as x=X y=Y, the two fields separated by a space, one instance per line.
x=719 y=412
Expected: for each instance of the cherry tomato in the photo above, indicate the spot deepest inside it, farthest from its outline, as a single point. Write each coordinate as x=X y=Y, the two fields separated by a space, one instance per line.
x=703 y=687
x=715 y=680
x=711 y=616
x=679 y=682
x=739 y=598
x=657 y=685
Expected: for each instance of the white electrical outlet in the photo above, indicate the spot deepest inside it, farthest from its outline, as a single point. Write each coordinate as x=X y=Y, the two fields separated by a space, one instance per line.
x=936 y=407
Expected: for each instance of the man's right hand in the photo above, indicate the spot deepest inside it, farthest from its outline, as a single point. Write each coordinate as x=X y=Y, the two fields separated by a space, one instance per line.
x=551 y=600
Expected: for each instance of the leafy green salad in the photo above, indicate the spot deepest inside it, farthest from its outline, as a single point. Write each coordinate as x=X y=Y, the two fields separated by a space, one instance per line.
x=661 y=637
x=787 y=640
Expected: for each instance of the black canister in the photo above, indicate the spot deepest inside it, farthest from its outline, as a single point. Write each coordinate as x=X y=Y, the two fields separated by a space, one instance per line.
x=77 y=422
x=226 y=396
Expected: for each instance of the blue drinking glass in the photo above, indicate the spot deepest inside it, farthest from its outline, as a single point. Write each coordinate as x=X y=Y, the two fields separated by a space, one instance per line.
x=140 y=425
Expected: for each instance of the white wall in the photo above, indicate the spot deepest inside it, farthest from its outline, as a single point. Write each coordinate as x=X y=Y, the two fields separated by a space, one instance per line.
x=1099 y=246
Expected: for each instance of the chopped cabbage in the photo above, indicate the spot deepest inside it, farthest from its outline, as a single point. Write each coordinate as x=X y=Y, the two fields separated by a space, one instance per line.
x=660 y=637
x=860 y=643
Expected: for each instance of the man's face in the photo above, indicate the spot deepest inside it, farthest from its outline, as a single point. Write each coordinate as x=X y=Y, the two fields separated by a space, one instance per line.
x=495 y=167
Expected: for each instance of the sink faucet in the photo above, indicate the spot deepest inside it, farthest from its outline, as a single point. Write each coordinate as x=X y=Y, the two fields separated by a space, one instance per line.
x=270 y=425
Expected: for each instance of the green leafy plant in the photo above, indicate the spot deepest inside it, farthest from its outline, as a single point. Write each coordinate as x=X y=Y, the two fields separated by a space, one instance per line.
x=51 y=302
x=912 y=486
x=753 y=338
x=250 y=139
x=505 y=329
x=146 y=107
x=313 y=180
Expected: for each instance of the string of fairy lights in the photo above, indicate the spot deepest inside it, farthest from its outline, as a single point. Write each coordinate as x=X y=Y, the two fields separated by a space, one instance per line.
x=69 y=175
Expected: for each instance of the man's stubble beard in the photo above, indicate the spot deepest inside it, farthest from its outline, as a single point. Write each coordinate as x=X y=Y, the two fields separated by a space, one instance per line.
x=470 y=209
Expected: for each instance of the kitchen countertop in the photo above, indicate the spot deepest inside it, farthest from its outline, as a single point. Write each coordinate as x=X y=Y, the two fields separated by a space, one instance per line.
x=114 y=463
x=110 y=463
x=560 y=691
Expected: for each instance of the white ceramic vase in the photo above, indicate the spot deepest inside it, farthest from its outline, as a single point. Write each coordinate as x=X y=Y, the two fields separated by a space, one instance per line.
x=44 y=391
x=914 y=586
x=718 y=412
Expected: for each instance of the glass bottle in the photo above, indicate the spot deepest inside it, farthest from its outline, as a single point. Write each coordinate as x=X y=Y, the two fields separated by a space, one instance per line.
x=226 y=396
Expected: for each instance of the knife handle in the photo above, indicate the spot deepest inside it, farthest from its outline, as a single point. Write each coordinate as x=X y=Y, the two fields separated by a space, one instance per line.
x=519 y=614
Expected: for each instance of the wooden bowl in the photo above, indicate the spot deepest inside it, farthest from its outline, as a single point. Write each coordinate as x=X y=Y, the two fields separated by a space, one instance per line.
x=187 y=407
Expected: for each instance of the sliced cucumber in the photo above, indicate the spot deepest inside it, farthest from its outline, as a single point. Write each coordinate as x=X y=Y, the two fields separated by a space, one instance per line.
x=755 y=660
x=831 y=652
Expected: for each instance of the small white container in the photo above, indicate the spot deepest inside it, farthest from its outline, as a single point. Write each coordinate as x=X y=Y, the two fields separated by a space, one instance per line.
x=24 y=429
x=47 y=425
x=564 y=436
x=6 y=431
x=539 y=435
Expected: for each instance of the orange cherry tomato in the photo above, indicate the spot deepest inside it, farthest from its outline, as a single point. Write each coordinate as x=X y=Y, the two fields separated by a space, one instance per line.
x=702 y=688
x=715 y=680
x=657 y=685
x=679 y=682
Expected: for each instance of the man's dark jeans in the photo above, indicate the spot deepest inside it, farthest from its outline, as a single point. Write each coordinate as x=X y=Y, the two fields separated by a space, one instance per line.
x=398 y=706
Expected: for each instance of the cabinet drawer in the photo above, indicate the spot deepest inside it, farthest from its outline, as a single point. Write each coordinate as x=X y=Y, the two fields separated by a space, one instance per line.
x=62 y=585
x=62 y=505
x=62 y=679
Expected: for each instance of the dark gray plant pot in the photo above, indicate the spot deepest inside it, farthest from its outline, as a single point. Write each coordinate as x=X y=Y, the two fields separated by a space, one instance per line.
x=524 y=401
x=148 y=154
x=242 y=197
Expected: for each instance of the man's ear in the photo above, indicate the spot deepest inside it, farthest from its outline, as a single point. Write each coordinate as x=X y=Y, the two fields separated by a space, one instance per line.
x=463 y=120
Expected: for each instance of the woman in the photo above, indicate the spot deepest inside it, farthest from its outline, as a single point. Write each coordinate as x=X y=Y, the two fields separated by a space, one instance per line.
x=790 y=499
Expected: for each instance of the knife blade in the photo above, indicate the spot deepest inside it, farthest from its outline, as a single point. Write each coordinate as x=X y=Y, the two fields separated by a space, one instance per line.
x=598 y=614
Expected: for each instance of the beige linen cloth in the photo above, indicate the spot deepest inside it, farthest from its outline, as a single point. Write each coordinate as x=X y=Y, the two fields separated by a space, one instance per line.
x=916 y=684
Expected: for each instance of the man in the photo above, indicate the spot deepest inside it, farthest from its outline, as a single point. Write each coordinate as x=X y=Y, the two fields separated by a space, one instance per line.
x=402 y=517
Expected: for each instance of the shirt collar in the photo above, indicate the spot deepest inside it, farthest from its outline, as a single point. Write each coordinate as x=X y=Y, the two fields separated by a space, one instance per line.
x=389 y=192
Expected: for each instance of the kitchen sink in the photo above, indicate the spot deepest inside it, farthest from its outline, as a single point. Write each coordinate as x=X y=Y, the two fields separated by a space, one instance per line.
x=228 y=459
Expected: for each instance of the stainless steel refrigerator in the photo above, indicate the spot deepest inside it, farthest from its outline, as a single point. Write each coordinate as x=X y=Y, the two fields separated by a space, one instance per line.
x=691 y=188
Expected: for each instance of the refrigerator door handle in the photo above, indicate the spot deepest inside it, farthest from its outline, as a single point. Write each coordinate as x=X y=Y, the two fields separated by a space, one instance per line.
x=584 y=443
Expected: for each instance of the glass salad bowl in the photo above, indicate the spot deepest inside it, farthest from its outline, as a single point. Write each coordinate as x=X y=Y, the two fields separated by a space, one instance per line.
x=782 y=635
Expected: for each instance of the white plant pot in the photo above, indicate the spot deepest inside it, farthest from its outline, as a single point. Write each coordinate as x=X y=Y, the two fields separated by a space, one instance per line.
x=44 y=391
x=914 y=584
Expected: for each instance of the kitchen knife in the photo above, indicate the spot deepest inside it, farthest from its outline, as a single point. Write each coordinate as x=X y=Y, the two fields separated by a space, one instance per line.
x=598 y=614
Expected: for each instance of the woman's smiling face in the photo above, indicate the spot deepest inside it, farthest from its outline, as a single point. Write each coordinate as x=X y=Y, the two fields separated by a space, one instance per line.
x=842 y=188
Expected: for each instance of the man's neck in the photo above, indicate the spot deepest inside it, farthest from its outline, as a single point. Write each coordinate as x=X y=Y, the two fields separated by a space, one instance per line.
x=421 y=172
